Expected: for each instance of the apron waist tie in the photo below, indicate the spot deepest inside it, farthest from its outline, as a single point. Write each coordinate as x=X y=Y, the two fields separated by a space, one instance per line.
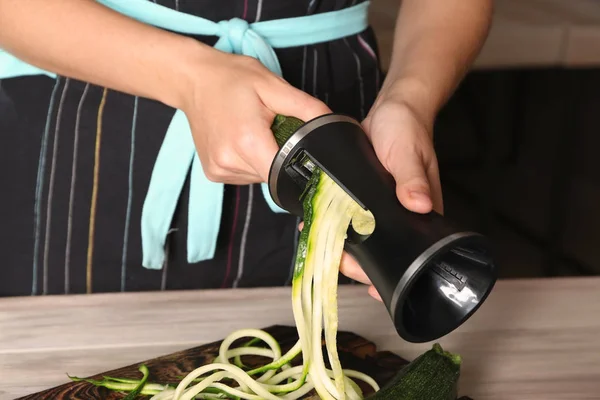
x=177 y=153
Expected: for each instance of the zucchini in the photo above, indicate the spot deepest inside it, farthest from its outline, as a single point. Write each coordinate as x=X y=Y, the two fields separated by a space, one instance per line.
x=433 y=375
x=283 y=127
x=328 y=213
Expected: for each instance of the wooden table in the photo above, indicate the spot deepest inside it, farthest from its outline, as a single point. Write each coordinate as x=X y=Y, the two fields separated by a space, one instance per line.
x=532 y=339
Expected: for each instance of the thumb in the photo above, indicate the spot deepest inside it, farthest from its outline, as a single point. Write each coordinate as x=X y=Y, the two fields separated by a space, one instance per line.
x=293 y=102
x=289 y=101
x=412 y=185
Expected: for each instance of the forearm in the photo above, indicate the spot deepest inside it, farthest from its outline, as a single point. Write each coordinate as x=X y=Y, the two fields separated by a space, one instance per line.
x=435 y=43
x=84 y=40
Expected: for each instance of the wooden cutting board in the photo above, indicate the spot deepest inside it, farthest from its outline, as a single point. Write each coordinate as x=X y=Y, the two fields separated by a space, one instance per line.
x=355 y=353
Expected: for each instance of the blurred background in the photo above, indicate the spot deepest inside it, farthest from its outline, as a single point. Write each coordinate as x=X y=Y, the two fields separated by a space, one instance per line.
x=518 y=142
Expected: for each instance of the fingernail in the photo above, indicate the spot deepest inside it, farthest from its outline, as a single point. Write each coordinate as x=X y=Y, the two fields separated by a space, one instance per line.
x=420 y=196
x=374 y=293
x=423 y=201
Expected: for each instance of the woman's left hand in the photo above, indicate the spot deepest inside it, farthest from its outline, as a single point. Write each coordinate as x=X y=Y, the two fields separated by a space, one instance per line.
x=403 y=141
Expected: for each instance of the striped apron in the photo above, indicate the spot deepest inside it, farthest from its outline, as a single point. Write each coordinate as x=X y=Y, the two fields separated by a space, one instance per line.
x=77 y=162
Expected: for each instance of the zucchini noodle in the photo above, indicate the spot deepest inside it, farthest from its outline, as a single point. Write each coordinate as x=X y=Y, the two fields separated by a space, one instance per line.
x=328 y=213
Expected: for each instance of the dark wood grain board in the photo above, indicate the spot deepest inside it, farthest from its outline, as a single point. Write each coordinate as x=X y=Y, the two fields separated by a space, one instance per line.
x=355 y=353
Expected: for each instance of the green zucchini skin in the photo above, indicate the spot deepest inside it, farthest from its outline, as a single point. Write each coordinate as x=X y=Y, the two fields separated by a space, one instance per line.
x=283 y=127
x=138 y=389
x=433 y=375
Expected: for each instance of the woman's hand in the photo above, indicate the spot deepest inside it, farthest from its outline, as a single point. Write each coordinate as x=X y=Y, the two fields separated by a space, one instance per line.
x=402 y=139
x=229 y=100
x=232 y=102
x=435 y=42
x=403 y=142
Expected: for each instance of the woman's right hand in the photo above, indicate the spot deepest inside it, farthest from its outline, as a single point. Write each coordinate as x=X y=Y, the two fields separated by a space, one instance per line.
x=230 y=104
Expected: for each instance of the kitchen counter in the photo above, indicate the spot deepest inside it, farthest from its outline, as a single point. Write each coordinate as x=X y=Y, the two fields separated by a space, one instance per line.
x=532 y=340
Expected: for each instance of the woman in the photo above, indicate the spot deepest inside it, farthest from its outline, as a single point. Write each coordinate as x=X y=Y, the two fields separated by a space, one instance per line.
x=97 y=196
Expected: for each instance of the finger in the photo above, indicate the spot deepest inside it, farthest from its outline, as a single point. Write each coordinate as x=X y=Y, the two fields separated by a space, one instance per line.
x=256 y=144
x=221 y=159
x=412 y=185
x=242 y=180
x=288 y=100
x=229 y=178
x=374 y=293
x=352 y=269
x=264 y=154
x=349 y=267
x=282 y=99
x=307 y=107
x=228 y=167
x=435 y=188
